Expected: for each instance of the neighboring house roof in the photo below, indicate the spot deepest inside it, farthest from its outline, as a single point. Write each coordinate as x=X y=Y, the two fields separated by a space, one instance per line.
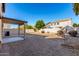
x=68 y=19
x=64 y=20
x=48 y=23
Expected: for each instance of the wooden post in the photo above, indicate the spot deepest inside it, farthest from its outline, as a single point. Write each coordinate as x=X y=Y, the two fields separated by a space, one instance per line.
x=24 y=31
x=1 y=30
x=18 y=30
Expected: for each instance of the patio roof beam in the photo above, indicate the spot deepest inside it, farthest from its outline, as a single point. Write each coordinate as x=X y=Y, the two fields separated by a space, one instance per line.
x=12 y=21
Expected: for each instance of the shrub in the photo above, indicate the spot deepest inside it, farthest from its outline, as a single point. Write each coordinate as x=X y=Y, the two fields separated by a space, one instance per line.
x=47 y=32
x=73 y=33
x=75 y=25
x=60 y=33
x=29 y=27
x=35 y=30
x=42 y=32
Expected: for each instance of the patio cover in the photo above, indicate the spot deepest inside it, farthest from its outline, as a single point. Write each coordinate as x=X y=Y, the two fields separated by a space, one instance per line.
x=11 y=21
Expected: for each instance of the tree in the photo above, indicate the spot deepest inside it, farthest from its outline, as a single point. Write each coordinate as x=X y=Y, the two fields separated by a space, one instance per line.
x=26 y=26
x=29 y=27
x=75 y=25
x=39 y=24
x=76 y=8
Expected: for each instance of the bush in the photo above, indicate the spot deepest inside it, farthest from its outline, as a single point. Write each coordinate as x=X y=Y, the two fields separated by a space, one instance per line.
x=60 y=33
x=42 y=32
x=73 y=33
x=47 y=32
x=29 y=27
x=35 y=30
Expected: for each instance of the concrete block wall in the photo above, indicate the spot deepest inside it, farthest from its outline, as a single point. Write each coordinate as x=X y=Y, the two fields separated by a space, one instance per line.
x=13 y=32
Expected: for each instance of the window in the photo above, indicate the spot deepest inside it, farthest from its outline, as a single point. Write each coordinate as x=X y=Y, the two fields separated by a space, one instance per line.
x=57 y=23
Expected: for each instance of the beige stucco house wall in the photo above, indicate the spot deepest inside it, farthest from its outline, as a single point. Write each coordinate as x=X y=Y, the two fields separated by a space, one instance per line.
x=60 y=23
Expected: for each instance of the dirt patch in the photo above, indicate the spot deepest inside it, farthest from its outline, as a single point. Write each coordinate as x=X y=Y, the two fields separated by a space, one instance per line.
x=47 y=35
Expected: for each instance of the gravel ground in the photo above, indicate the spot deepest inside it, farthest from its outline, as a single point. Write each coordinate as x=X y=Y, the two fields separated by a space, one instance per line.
x=35 y=45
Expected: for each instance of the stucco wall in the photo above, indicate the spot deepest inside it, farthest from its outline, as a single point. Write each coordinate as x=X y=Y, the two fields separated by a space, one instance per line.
x=0 y=9
x=0 y=30
x=6 y=26
x=29 y=30
x=66 y=23
x=14 y=32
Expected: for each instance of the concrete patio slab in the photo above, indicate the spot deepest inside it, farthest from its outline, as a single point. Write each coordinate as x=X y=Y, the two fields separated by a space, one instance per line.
x=12 y=39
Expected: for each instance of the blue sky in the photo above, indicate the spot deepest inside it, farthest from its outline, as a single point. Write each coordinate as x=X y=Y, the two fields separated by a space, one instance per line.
x=48 y=12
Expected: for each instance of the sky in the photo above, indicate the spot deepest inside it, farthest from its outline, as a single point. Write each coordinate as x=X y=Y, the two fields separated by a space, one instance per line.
x=48 y=12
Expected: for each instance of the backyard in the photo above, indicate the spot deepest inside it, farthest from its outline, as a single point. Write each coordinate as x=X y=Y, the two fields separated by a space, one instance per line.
x=38 y=45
